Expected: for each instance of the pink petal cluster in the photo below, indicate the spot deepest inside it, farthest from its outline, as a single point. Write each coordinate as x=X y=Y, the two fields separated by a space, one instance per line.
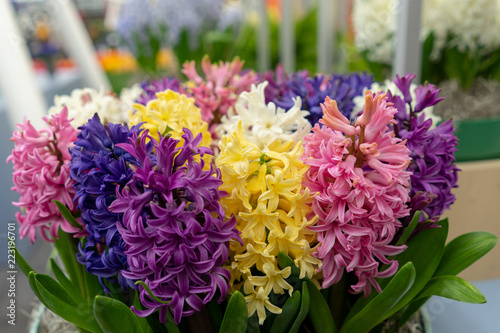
x=218 y=92
x=41 y=175
x=359 y=173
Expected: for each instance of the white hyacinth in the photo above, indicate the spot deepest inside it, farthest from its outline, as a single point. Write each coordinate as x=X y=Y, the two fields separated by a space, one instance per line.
x=83 y=103
x=466 y=24
x=264 y=124
x=359 y=101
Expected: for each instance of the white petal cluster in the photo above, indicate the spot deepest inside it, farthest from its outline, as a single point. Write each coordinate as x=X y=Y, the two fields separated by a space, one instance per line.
x=466 y=24
x=83 y=103
x=374 y=23
x=265 y=124
x=128 y=97
x=359 y=101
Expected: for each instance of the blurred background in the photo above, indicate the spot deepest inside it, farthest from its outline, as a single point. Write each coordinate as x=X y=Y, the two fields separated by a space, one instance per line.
x=50 y=47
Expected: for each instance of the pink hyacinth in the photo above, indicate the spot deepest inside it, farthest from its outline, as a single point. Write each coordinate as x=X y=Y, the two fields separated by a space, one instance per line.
x=41 y=175
x=218 y=92
x=359 y=172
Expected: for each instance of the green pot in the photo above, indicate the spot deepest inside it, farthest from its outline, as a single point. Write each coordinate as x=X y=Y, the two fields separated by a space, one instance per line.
x=479 y=139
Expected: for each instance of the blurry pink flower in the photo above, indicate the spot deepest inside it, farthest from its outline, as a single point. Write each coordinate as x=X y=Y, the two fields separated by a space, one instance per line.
x=41 y=175
x=362 y=192
x=218 y=92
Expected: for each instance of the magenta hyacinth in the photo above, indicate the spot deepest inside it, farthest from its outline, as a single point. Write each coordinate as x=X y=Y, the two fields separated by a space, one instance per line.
x=174 y=230
x=41 y=175
x=359 y=172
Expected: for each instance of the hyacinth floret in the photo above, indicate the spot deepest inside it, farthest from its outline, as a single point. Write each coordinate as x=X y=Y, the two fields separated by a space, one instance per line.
x=98 y=166
x=216 y=94
x=174 y=227
x=169 y=113
x=262 y=172
x=359 y=173
x=283 y=90
x=433 y=148
x=266 y=125
x=41 y=175
x=151 y=88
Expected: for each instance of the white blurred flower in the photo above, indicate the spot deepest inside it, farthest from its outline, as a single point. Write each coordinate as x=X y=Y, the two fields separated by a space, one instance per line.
x=83 y=103
x=359 y=101
x=265 y=124
x=128 y=97
x=466 y=24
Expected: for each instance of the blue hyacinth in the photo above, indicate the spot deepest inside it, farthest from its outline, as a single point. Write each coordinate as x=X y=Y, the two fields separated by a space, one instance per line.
x=282 y=89
x=98 y=167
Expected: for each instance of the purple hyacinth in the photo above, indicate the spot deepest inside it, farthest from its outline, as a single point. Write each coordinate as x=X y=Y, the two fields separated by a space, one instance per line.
x=98 y=166
x=151 y=88
x=283 y=89
x=173 y=226
x=433 y=168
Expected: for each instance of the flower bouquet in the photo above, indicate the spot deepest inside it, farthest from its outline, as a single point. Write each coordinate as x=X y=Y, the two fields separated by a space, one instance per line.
x=236 y=201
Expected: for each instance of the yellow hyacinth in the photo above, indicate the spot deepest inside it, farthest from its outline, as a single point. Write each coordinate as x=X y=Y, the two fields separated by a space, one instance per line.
x=169 y=113
x=273 y=212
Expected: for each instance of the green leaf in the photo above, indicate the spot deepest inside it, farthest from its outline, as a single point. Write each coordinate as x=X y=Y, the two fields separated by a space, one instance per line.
x=304 y=308
x=463 y=251
x=66 y=283
x=409 y=229
x=375 y=311
x=92 y=285
x=424 y=251
x=410 y=309
x=290 y=310
x=215 y=312
x=67 y=248
x=54 y=288
x=459 y=254
x=113 y=316
x=236 y=316
x=452 y=287
x=170 y=325
x=285 y=261
x=253 y=324
x=319 y=312
x=67 y=214
x=32 y=282
x=23 y=264
x=63 y=305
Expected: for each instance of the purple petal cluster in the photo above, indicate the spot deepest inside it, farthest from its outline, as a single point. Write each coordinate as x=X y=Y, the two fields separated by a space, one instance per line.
x=282 y=89
x=98 y=166
x=173 y=226
x=433 y=168
x=151 y=88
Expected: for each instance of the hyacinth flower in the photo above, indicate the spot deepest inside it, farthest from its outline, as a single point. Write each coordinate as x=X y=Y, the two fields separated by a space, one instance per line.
x=169 y=113
x=174 y=227
x=266 y=125
x=359 y=173
x=98 y=167
x=433 y=168
x=83 y=103
x=314 y=90
x=41 y=175
x=272 y=207
x=216 y=93
x=155 y=86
